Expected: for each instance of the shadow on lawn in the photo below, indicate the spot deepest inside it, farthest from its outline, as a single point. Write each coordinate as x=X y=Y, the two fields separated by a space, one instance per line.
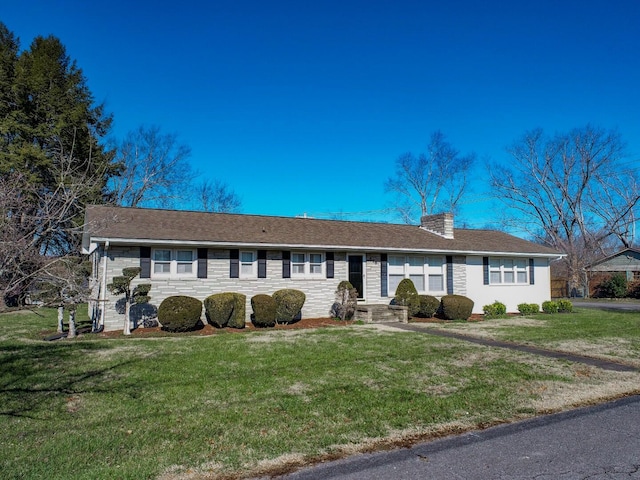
x=33 y=377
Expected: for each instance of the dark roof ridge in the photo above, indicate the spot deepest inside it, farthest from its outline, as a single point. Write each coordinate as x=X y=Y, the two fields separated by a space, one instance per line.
x=257 y=215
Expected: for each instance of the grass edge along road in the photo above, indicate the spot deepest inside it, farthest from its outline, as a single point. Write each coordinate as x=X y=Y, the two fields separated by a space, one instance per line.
x=231 y=406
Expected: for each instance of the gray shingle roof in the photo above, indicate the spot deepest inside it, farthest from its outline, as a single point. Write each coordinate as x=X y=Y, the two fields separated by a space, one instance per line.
x=137 y=225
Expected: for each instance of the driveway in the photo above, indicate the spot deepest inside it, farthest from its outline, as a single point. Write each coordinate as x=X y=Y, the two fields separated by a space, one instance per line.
x=597 y=443
x=607 y=305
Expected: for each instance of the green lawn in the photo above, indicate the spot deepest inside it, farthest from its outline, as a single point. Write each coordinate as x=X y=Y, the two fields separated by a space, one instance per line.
x=613 y=335
x=238 y=404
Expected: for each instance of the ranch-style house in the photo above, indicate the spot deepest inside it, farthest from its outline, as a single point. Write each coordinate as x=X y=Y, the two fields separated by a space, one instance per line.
x=199 y=254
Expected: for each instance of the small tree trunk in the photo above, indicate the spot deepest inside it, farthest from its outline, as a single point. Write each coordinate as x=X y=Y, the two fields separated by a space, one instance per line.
x=127 y=323
x=72 y=322
x=60 y=318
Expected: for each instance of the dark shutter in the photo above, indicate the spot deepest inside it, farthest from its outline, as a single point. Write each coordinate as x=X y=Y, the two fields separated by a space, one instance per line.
x=262 y=264
x=203 y=253
x=286 y=264
x=532 y=280
x=449 y=275
x=234 y=263
x=485 y=270
x=330 y=264
x=384 y=281
x=145 y=262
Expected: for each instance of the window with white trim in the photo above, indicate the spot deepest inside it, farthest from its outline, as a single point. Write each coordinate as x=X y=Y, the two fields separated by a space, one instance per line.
x=508 y=271
x=307 y=264
x=162 y=262
x=184 y=262
x=435 y=272
x=173 y=262
x=426 y=273
x=248 y=264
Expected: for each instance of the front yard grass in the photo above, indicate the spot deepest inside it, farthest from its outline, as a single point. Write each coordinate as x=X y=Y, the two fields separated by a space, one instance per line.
x=234 y=405
x=613 y=335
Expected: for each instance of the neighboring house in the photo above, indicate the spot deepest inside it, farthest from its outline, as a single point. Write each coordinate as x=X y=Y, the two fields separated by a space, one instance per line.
x=626 y=261
x=198 y=254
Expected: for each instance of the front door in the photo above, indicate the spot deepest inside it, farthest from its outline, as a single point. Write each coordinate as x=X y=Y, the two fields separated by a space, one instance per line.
x=356 y=274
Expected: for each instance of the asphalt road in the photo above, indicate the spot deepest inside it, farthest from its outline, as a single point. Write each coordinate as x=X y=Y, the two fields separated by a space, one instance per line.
x=594 y=443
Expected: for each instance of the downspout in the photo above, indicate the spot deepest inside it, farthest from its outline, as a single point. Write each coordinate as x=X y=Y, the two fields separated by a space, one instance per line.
x=103 y=287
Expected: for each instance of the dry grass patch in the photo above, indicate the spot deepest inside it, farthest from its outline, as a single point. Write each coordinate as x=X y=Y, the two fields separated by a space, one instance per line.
x=615 y=349
x=595 y=386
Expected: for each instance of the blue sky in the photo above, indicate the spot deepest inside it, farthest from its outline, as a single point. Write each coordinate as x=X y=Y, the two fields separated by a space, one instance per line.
x=304 y=106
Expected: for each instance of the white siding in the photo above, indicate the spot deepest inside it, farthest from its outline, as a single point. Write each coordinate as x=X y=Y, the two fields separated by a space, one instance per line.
x=510 y=295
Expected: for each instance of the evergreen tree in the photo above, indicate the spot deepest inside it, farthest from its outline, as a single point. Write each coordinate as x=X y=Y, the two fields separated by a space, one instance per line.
x=51 y=134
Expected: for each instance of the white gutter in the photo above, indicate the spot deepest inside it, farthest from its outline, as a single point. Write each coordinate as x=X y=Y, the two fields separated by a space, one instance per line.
x=280 y=246
x=103 y=286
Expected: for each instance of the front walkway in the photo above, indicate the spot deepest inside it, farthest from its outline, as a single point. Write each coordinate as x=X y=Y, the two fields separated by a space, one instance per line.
x=596 y=362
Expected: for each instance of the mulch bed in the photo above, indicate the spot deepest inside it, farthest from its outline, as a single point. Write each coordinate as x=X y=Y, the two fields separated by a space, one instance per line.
x=209 y=330
x=301 y=324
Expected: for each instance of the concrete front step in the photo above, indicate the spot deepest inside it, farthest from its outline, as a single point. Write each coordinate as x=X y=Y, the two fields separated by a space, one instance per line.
x=381 y=313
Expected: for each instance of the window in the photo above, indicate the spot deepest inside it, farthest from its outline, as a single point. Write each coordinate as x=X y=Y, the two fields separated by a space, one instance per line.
x=315 y=264
x=184 y=261
x=168 y=262
x=247 y=265
x=297 y=264
x=306 y=264
x=435 y=270
x=396 y=271
x=162 y=261
x=426 y=273
x=508 y=271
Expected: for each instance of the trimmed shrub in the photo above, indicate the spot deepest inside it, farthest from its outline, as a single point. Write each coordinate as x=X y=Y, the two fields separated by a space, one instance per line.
x=407 y=296
x=239 y=315
x=264 y=310
x=226 y=309
x=565 y=306
x=528 y=308
x=180 y=314
x=289 y=304
x=456 y=307
x=549 y=307
x=346 y=301
x=428 y=306
x=495 y=310
x=218 y=309
x=614 y=287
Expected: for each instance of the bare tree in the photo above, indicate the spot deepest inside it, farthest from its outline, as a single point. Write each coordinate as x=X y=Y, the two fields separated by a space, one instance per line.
x=41 y=224
x=155 y=169
x=216 y=196
x=430 y=182
x=63 y=282
x=571 y=192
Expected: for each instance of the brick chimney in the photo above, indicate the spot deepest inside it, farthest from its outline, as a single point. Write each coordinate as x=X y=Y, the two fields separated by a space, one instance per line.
x=440 y=224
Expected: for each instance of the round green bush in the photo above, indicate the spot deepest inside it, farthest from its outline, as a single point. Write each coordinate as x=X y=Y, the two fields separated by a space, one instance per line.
x=528 y=308
x=407 y=296
x=289 y=304
x=565 y=306
x=264 y=310
x=226 y=309
x=456 y=307
x=180 y=314
x=218 y=309
x=428 y=306
x=495 y=310
x=550 y=306
x=239 y=316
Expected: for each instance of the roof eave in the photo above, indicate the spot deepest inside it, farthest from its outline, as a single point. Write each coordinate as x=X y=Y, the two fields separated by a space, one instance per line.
x=293 y=246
